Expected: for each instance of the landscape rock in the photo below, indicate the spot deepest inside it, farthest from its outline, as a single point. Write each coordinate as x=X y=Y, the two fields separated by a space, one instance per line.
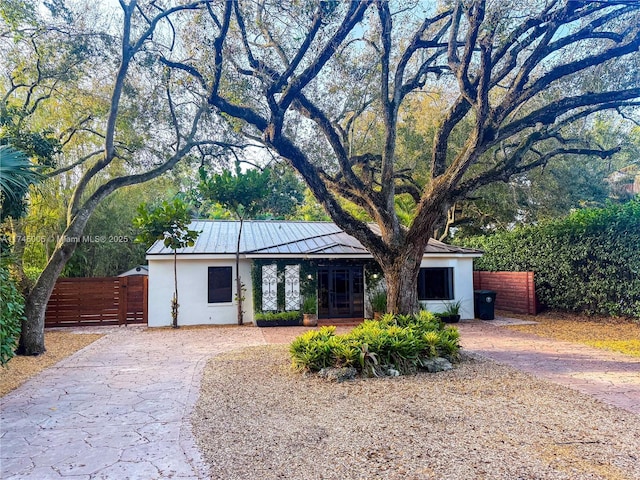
x=338 y=374
x=438 y=364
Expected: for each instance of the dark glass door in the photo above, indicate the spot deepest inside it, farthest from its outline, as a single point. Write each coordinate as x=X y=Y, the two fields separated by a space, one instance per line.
x=340 y=292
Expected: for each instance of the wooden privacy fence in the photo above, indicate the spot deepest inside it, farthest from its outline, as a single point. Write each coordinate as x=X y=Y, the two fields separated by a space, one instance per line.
x=516 y=291
x=98 y=301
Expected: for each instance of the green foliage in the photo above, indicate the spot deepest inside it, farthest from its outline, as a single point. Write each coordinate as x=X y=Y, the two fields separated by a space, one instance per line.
x=278 y=316
x=11 y=315
x=17 y=173
x=588 y=262
x=452 y=308
x=398 y=342
x=313 y=350
x=168 y=222
x=273 y=192
x=310 y=209
x=285 y=195
x=242 y=193
x=108 y=247
x=536 y=196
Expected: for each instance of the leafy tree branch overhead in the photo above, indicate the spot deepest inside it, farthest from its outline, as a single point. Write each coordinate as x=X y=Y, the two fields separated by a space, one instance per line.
x=327 y=84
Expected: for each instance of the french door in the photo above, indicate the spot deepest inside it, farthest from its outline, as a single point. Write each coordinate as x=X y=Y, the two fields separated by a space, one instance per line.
x=340 y=292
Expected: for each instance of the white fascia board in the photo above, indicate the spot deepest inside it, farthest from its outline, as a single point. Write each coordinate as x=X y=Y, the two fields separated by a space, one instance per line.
x=308 y=256
x=250 y=256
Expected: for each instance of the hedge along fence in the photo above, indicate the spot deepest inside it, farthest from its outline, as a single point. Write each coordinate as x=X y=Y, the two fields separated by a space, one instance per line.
x=588 y=262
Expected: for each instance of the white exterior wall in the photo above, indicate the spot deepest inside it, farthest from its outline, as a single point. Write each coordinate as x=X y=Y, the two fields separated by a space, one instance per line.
x=192 y=292
x=193 y=284
x=462 y=284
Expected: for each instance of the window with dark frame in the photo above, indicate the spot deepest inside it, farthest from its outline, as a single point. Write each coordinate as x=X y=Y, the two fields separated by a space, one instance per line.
x=220 y=285
x=435 y=284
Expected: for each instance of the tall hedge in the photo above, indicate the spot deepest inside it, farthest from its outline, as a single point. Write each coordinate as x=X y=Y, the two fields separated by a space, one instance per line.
x=11 y=314
x=588 y=262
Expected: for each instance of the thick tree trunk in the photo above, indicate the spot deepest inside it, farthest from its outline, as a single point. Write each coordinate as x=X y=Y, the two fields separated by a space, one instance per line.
x=32 y=332
x=401 y=276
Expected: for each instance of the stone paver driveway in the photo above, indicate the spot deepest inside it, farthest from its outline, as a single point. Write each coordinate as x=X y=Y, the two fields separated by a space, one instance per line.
x=611 y=377
x=116 y=410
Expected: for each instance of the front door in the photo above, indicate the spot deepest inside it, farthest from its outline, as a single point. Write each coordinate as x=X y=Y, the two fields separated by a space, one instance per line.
x=340 y=292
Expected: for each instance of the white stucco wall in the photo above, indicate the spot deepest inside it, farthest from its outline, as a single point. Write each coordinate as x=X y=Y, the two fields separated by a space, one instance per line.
x=192 y=289
x=462 y=284
x=192 y=292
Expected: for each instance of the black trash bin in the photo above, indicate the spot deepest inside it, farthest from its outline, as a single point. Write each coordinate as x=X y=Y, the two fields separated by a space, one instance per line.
x=484 y=302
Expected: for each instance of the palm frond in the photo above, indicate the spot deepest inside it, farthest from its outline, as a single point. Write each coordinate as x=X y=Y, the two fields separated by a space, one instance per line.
x=17 y=172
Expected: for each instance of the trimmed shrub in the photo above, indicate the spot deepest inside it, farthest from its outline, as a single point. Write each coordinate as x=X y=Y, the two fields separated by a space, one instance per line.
x=588 y=262
x=398 y=342
x=11 y=315
x=279 y=316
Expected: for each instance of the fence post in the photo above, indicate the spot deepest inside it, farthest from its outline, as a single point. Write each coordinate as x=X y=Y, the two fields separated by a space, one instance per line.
x=145 y=299
x=122 y=300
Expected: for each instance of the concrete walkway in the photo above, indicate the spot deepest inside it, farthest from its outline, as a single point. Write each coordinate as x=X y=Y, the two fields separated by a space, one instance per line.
x=119 y=409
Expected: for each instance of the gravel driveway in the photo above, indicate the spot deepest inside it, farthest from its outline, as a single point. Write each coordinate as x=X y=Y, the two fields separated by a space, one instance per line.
x=256 y=419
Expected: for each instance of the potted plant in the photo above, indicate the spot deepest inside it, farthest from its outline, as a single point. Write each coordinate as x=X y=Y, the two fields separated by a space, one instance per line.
x=451 y=313
x=379 y=303
x=309 y=311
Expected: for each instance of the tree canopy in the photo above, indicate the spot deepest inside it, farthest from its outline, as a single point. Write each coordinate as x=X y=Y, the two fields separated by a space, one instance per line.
x=391 y=112
x=326 y=84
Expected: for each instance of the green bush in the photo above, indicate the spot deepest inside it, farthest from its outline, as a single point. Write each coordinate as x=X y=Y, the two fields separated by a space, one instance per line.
x=399 y=342
x=11 y=315
x=278 y=316
x=588 y=262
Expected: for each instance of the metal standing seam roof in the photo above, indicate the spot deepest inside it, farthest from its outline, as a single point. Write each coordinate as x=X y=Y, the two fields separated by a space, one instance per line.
x=275 y=237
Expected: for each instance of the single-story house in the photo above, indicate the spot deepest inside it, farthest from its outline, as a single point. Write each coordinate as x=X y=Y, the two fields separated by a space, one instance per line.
x=281 y=263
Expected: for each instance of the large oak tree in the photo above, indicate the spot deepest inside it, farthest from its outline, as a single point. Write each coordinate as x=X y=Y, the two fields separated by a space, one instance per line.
x=311 y=79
